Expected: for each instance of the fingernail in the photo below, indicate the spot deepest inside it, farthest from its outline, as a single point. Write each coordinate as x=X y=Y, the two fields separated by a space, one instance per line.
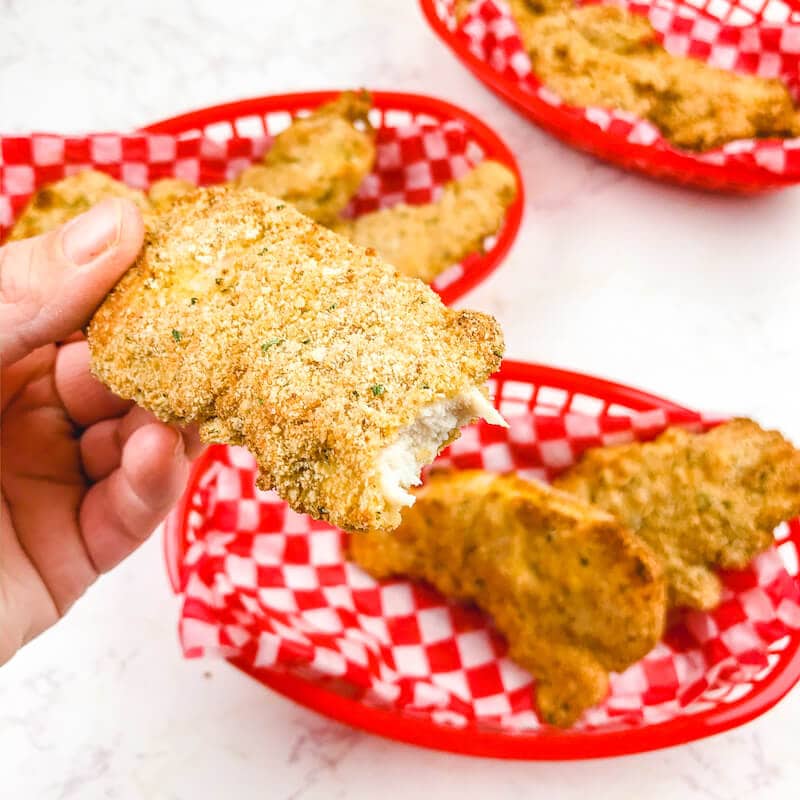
x=179 y=446
x=92 y=233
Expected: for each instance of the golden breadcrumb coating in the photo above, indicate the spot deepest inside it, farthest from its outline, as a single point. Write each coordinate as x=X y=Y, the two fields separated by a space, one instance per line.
x=245 y=316
x=575 y=594
x=423 y=240
x=599 y=55
x=461 y=9
x=701 y=501
x=319 y=161
x=56 y=203
x=163 y=192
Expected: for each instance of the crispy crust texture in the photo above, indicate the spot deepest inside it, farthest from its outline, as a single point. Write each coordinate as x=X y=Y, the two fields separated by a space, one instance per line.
x=319 y=161
x=575 y=593
x=56 y=203
x=423 y=240
x=600 y=55
x=164 y=192
x=245 y=316
x=701 y=501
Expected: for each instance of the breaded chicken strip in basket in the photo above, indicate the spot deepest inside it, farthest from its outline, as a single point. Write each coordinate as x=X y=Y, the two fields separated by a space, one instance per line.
x=423 y=240
x=601 y=55
x=319 y=161
x=56 y=203
x=701 y=501
x=342 y=377
x=164 y=192
x=575 y=593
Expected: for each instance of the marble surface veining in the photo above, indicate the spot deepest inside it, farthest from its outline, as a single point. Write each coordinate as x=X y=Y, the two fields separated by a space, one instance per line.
x=689 y=295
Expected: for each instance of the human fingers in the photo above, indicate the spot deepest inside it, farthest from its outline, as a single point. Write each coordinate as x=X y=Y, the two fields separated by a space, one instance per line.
x=85 y=399
x=50 y=285
x=101 y=444
x=121 y=511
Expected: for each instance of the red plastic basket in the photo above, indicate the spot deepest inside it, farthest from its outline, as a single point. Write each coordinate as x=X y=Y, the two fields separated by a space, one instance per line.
x=422 y=143
x=554 y=398
x=268 y=115
x=741 y=170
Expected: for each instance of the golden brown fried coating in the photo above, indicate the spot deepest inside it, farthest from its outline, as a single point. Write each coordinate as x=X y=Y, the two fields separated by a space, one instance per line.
x=423 y=240
x=164 y=192
x=701 y=501
x=605 y=56
x=319 y=161
x=56 y=203
x=575 y=594
x=273 y=332
x=461 y=9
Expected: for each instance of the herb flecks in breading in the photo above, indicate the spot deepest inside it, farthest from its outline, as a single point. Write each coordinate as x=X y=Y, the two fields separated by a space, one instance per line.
x=316 y=441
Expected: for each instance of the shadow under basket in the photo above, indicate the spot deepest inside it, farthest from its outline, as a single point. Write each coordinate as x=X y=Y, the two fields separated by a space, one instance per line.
x=271 y=590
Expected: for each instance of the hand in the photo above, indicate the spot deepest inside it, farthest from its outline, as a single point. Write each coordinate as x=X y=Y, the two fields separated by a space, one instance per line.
x=85 y=476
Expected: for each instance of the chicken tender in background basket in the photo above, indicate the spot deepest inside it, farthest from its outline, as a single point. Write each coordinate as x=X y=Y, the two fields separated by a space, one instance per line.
x=424 y=240
x=341 y=376
x=319 y=161
x=59 y=202
x=164 y=192
x=575 y=593
x=609 y=57
x=701 y=501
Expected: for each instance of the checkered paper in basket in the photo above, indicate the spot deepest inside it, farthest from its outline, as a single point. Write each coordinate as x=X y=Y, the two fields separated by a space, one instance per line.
x=414 y=160
x=725 y=34
x=272 y=589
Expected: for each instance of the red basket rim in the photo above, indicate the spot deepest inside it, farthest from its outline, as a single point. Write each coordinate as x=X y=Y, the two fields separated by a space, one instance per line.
x=673 y=166
x=547 y=745
x=493 y=146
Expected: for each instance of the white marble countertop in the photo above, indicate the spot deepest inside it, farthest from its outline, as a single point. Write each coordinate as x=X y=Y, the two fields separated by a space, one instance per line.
x=692 y=296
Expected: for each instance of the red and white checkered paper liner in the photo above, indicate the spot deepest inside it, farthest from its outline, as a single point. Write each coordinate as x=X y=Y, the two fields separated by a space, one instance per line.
x=414 y=160
x=272 y=589
x=760 y=37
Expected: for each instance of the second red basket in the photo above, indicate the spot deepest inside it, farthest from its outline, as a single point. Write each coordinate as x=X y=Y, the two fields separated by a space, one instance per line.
x=762 y=36
x=422 y=143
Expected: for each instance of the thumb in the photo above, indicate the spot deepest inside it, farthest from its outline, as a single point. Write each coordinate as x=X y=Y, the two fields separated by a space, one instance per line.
x=50 y=285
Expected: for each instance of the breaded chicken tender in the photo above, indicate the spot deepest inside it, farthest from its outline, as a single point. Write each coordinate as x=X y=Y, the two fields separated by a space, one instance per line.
x=423 y=240
x=575 y=594
x=601 y=55
x=341 y=377
x=56 y=203
x=164 y=192
x=701 y=501
x=319 y=161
